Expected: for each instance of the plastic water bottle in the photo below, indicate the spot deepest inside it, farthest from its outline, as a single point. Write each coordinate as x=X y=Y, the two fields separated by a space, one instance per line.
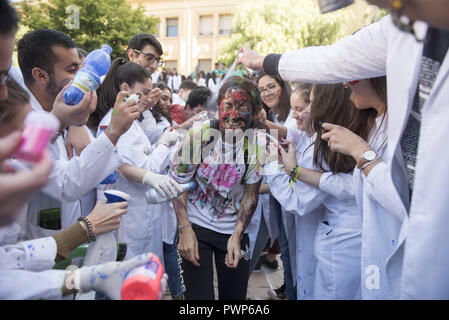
x=154 y=197
x=143 y=283
x=39 y=128
x=87 y=79
x=104 y=249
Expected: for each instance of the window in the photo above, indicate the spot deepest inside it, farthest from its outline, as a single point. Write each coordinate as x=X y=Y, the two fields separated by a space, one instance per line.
x=206 y=25
x=171 y=64
x=172 y=27
x=205 y=65
x=226 y=24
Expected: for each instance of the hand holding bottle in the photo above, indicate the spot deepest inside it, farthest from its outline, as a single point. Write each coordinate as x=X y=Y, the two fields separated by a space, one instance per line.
x=165 y=185
x=108 y=278
x=123 y=115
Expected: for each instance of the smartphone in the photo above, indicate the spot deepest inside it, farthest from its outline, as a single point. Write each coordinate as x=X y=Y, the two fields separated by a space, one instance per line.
x=284 y=145
x=320 y=124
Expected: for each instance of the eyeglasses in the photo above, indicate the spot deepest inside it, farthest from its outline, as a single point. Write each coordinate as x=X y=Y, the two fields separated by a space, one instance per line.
x=6 y=75
x=271 y=88
x=151 y=58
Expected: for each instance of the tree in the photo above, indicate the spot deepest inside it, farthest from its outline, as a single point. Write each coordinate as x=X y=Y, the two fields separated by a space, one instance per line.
x=270 y=26
x=90 y=23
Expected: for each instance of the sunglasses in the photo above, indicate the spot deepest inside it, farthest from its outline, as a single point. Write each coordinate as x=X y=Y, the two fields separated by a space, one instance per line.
x=151 y=58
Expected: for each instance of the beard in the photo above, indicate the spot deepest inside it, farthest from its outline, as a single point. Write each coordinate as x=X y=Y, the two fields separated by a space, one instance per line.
x=52 y=88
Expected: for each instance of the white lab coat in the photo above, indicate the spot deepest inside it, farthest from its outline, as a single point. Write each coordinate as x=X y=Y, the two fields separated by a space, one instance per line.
x=29 y=285
x=70 y=180
x=380 y=231
x=33 y=255
x=305 y=225
x=418 y=267
x=336 y=245
x=153 y=130
x=89 y=200
x=141 y=228
x=176 y=82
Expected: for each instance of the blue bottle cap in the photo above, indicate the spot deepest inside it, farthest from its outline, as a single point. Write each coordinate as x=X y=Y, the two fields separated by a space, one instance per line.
x=106 y=48
x=116 y=196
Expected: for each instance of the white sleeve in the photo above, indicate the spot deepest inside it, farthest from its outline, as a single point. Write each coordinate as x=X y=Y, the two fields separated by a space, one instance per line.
x=28 y=285
x=70 y=180
x=150 y=127
x=379 y=187
x=300 y=199
x=338 y=185
x=359 y=56
x=136 y=151
x=34 y=255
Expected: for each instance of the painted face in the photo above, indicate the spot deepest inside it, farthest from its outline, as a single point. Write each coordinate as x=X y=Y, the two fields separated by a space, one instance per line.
x=235 y=110
x=270 y=91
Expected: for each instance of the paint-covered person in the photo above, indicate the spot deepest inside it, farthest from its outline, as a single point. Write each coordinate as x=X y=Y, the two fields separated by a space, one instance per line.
x=212 y=219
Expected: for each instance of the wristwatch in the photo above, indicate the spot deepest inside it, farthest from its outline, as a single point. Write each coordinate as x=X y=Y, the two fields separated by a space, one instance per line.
x=368 y=157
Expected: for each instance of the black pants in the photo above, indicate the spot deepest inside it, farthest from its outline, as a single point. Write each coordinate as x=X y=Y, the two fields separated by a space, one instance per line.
x=232 y=283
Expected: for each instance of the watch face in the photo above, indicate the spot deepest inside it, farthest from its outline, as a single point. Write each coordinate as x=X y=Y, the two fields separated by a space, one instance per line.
x=369 y=155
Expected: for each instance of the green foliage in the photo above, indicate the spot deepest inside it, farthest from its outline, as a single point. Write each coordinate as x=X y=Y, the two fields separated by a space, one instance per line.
x=270 y=26
x=100 y=21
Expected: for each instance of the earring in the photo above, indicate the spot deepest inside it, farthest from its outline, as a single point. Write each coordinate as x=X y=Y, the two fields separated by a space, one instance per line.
x=401 y=21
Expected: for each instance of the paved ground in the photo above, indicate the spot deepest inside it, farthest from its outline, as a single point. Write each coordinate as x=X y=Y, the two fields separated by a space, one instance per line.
x=259 y=282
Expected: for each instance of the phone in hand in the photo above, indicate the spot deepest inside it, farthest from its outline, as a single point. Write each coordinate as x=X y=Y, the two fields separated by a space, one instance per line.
x=320 y=124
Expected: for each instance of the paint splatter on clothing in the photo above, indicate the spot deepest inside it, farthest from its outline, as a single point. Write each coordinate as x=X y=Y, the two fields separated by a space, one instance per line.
x=220 y=176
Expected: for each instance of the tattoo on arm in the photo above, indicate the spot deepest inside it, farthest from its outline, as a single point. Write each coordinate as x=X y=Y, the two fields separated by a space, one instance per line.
x=248 y=204
x=180 y=207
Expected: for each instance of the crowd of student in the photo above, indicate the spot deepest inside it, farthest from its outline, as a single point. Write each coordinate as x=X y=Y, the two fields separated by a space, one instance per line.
x=335 y=151
x=173 y=80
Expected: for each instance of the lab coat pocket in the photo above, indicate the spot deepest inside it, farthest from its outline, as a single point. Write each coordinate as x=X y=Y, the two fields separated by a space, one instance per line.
x=34 y=231
x=325 y=269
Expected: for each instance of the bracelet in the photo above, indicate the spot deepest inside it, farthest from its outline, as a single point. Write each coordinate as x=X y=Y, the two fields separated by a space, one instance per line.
x=294 y=175
x=89 y=228
x=183 y=227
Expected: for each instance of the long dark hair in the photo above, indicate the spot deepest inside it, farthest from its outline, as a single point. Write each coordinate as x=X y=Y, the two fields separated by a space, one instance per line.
x=367 y=117
x=246 y=85
x=332 y=104
x=284 y=102
x=156 y=110
x=121 y=71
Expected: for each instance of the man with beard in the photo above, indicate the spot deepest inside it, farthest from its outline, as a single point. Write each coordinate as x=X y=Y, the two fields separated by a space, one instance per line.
x=48 y=60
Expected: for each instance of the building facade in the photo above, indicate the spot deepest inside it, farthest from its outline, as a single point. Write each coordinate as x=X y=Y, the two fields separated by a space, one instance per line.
x=190 y=30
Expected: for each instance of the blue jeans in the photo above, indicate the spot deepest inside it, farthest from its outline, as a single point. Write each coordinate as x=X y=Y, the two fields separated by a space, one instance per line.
x=285 y=255
x=172 y=267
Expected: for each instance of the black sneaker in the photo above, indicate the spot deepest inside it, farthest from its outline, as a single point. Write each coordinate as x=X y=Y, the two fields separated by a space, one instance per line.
x=272 y=265
x=278 y=294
